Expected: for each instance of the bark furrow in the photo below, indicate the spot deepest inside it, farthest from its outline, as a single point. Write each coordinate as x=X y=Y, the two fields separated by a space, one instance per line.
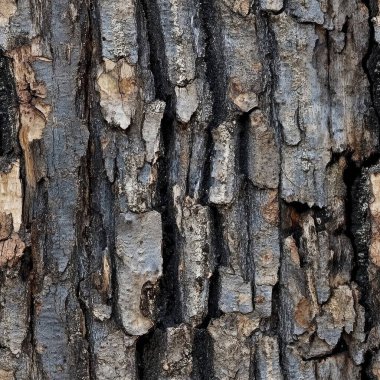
x=189 y=189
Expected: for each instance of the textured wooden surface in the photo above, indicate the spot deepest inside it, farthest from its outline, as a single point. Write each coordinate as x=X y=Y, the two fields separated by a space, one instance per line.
x=189 y=189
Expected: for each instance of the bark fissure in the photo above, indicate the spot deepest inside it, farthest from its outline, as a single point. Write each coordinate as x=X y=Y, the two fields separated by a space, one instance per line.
x=189 y=189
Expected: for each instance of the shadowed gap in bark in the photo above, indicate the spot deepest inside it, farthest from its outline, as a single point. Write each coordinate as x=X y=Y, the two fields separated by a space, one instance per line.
x=9 y=146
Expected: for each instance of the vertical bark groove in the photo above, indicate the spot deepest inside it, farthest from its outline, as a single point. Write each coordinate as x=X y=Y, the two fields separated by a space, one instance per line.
x=189 y=189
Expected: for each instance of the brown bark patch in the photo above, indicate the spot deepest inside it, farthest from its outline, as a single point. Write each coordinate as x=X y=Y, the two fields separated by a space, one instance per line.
x=11 y=195
x=6 y=225
x=7 y=10
x=374 y=250
x=271 y=209
x=34 y=111
x=11 y=250
x=303 y=313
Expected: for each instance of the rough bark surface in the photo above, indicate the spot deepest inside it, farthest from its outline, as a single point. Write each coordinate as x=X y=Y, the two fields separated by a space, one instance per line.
x=189 y=189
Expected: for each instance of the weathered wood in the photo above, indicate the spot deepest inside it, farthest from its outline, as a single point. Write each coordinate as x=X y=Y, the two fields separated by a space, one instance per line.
x=189 y=189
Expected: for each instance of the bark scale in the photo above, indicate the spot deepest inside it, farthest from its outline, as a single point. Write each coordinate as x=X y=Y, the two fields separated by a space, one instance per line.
x=189 y=189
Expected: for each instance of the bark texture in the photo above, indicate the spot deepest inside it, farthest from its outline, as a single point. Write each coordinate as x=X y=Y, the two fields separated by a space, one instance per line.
x=189 y=189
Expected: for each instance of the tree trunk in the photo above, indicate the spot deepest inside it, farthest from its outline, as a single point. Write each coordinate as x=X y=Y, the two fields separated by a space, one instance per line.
x=189 y=189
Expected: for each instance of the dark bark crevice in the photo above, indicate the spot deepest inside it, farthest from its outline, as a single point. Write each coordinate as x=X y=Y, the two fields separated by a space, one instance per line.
x=212 y=25
x=202 y=355
x=97 y=212
x=97 y=201
x=371 y=60
x=84 y=214
x=167 y=304
x=168 y=299
x=158 y=62
x=216 y=78
x=147 y=356
x=9 y=145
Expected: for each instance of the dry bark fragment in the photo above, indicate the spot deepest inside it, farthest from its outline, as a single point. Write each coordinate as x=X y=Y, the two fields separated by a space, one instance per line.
x=223 y=175
x=11 y=194
x=239 y=139
x=195 y=261
x=235 y=293
x=115 y=357
x=232 y=346
x=138 y=247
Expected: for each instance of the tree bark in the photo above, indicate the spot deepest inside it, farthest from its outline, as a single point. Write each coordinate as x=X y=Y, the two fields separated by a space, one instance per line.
x=189 y=189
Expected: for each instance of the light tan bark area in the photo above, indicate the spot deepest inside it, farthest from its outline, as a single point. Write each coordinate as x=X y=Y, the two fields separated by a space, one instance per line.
x=8 y=9
x=11 y=196
x=33 y=109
